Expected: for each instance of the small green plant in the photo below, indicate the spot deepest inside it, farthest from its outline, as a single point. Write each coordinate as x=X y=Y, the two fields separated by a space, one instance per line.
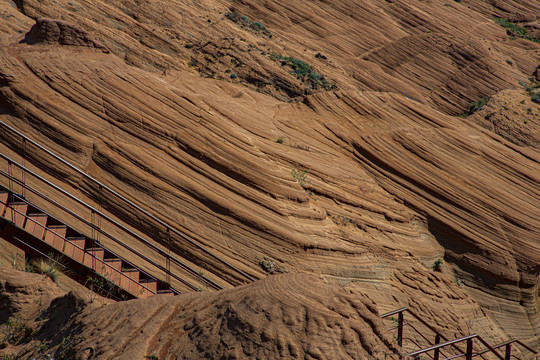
x=280 y=140
x=244 y=22
x=304 y=72
x=152 y=357
x=459 y=282
x=43 y=347
x=300 y=176
x=18 y=262
x=66 y=347
x=102 y=286
x=437 y=265
x=15 y=330
x=475 y=106
x=51 y=267
x=514 y=30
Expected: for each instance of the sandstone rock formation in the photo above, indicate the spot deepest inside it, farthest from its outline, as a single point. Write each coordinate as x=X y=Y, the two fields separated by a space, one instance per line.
x=367 y=184
x=286 y=316
x=49 y=31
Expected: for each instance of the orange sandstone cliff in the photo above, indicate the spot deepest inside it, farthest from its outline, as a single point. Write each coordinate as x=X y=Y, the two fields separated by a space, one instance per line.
x=322 y=136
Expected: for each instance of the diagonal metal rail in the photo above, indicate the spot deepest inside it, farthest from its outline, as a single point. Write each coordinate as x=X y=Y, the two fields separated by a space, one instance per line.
x=112 y=221
x=469 y=354
x=170 y=229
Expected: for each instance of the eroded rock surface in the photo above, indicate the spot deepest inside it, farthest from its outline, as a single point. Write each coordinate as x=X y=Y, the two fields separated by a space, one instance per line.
x=367 y=186
x=49 y=31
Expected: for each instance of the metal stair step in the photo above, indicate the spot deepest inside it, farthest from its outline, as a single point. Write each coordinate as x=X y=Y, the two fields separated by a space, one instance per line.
x=74 y=247
x=149 y=289
x=36 y=224
x=129 y=281
x=16 y=212
x=56 y=235
x=92 y=257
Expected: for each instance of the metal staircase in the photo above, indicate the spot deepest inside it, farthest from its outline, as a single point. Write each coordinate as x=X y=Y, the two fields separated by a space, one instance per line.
x=40 y=234
x=43 y=218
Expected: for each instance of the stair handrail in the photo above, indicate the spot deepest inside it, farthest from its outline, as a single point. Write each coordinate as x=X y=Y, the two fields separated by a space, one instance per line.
x=400 y=312
x=10 y=207
x=469 y=352
x=436 y=348
x=127 y=201
x=130 y=232
x=56 y=261
x=508 y=343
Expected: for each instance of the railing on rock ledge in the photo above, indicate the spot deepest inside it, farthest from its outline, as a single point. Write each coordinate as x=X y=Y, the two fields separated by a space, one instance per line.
x=437 y=347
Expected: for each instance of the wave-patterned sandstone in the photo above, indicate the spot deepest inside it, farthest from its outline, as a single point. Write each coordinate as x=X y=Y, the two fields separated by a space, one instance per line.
x=393 y=181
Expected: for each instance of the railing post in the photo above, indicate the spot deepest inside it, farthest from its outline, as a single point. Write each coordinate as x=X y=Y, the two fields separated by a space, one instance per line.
x=10 y=176
x=468 y=354
x=437 y=351
x=400 y=329
x=508 y=351
x=23 y=173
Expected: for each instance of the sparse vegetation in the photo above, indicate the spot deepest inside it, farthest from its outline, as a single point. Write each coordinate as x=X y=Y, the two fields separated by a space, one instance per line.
x=51 y=267
x=534 y=92
x=475 y=106
x=15 y=331
x=305 y=72
x=152 y=357
x=43 y=347
x=105 y=287
x=66 y=348
x=300 y=176
x=280 y=140
x=514 y=30
x=253 y=26
x=437 y=265
x=18 y=262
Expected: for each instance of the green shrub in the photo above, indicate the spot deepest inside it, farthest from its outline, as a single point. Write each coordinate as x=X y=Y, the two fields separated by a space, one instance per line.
x=514 y=29
x=245 y=23
x=300 y=176
x=304 y=72
x=475 y=106
x=437 y=265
